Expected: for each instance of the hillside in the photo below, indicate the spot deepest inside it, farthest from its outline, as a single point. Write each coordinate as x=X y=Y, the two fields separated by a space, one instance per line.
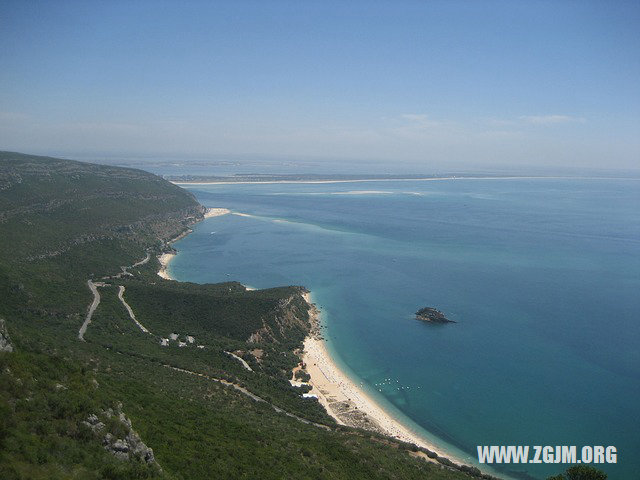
x=115 y=373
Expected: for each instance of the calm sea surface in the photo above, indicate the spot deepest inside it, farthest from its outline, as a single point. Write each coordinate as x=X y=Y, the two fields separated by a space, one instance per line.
x=542 y=276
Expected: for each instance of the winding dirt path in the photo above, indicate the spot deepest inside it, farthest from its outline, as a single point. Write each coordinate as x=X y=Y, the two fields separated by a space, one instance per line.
x=241 y=360
x=96 y=299
x=141 y=262
x=92 y=308
x=253 y=396
x=121 y=290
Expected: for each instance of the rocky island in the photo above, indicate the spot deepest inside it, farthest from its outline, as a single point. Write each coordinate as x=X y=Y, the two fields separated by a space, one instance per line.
x=432 y=315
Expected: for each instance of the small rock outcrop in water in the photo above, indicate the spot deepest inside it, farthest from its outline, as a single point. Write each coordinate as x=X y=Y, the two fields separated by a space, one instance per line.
x=432 y=315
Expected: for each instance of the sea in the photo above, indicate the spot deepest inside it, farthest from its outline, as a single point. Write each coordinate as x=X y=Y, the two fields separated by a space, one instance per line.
x=541 y=276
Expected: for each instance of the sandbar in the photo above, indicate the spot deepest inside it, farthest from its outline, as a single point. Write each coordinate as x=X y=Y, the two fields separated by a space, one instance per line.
x=216 y=212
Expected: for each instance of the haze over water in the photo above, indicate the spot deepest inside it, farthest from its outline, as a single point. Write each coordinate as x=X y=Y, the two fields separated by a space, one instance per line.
x=542 y=276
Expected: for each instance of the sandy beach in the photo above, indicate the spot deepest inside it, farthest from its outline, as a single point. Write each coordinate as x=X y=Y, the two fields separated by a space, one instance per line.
x=164 y=260
x=216 y=212
x=345 y=401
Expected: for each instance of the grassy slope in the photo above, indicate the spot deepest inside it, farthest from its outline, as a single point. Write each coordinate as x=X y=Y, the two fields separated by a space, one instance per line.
x=63 y=222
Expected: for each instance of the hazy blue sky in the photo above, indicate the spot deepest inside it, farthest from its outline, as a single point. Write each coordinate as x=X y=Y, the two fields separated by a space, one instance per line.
x=420 y=83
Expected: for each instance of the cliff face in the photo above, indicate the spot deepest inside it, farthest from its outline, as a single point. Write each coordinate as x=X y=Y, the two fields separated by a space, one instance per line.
x=290 y=319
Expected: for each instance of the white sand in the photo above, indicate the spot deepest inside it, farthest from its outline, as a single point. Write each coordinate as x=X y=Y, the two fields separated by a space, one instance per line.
x=332 y=385
x=216 y=212
x=427 y=179
x=165 y=259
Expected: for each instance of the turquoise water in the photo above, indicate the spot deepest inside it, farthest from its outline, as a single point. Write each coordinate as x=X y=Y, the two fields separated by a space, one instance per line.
x=542 y=276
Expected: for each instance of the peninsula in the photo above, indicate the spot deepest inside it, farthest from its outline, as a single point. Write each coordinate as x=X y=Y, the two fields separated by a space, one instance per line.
x=110 y=371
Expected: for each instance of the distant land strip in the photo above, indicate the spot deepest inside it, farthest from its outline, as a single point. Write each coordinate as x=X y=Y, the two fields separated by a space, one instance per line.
x=314 y=178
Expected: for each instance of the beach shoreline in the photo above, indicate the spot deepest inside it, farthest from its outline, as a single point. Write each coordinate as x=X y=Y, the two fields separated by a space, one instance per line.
x=348 y=403
x=341 y=397
x=166 y=258
x=216 y=212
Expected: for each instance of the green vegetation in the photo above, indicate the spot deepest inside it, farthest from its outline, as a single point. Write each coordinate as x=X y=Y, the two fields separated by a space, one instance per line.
x=580 y=472
x=65 y=402
x=63 y=222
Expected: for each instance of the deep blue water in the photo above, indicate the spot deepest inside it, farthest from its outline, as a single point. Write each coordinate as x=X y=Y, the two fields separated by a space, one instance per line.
x=542 y=276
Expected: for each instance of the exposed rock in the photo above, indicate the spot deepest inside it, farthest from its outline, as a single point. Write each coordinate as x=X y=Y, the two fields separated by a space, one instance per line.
x=5 y=341
x=131 y=446
x=120 y=446
x=139 y=449
x=432 y=315
x=124 y=420
x=94 y=423
x=257 y=354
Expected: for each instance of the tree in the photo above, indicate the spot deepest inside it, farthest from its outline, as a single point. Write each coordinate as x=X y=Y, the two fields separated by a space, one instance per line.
x=580 y=472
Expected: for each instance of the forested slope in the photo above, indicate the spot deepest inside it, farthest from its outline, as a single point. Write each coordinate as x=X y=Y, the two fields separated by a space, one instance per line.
x=162 y=396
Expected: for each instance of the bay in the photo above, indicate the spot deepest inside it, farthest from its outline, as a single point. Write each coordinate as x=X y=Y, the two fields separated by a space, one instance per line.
x=541 y=275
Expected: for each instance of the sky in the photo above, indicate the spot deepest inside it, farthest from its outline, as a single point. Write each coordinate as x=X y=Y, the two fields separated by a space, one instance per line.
x=415 y=84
